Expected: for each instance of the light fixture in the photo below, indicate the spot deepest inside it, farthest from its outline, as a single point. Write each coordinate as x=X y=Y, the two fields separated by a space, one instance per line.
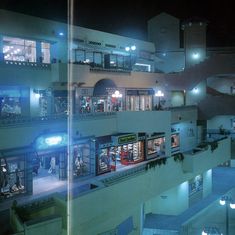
x=117 y=94
x=159 y=93
x=222 y=202
x=130 y=48
x=133 y=48
x=195 y=90
x=195 y=55
x=61 y=34
x=227 y=201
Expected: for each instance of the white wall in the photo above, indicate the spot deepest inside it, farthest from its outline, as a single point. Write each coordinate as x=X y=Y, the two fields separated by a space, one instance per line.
x=171 y=202
x=207 y=183
x=215 y=122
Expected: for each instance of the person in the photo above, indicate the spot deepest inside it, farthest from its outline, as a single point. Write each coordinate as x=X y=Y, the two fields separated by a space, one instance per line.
x=52 y=168
x=18 y=184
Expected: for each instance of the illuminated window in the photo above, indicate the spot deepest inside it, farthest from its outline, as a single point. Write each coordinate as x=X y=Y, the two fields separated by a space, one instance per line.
x=45 y=52
x=17 y=49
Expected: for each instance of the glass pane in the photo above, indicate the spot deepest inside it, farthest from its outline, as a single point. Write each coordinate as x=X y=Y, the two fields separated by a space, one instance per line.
x=97 y=58
x=79 y=55
x=89 y=57
x=46 y=57
x=113 y=61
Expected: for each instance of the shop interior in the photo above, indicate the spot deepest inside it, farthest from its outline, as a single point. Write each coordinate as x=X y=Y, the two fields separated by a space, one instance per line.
x=12 y=176
x=116 y=157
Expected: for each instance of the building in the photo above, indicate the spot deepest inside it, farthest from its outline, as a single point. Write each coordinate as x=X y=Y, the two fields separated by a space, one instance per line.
x=131 y=106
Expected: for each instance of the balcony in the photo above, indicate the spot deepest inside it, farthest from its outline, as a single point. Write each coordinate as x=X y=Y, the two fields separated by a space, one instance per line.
x=200 y=160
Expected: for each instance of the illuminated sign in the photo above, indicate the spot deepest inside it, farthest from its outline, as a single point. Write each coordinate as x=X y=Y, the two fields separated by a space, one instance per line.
x=54 y=140
x=51 y=141
x=127 y=139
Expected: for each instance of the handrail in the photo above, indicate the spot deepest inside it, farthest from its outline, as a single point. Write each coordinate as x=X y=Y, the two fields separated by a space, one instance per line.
x=18 y=120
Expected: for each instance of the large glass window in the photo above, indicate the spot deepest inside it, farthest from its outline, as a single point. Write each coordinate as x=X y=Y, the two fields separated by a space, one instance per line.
x=98 y=58
x=18 y=49
x=45 y=52
x=156 y=146
x=81 y=159
x=12 y=175
x=79 y=56
x=89 y=57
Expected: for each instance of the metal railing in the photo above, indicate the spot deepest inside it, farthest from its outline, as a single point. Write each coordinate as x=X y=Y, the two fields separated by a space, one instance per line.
x=22 y=120
x=27 y=64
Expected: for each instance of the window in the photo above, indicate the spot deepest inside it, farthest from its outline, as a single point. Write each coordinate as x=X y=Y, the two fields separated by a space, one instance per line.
x=89 y=57
x=98 y=58
x=45 y=52
x=79 y=56
x=18 y=49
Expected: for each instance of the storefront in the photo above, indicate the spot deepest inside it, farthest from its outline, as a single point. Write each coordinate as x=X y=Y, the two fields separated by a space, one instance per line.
x=117 y=151
x=139 y=100
x=51 y=155
x=83 y=157
x=14 y=101
x=15 y=174
x=103 y=154
x=155 y=146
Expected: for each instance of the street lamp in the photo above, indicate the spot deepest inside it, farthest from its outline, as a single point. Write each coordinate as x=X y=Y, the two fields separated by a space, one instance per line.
x=117 y=95
x=159 y=94
x=211 y=231
x=228 y=201
x=131 y=49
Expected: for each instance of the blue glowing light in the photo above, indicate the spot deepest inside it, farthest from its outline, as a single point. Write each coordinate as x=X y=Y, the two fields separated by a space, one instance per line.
x=51 y=141
x=61 y=33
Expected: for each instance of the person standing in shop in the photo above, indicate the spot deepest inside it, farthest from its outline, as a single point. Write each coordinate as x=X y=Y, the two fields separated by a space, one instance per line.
x=52 y=169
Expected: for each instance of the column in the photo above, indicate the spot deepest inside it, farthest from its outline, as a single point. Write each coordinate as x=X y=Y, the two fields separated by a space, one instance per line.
x=62 y=165
x=38 y=52
x=1 y=48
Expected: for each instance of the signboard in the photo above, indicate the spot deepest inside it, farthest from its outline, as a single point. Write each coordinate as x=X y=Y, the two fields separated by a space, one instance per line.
x=51 y=141
x=127 y=139
x=140 y=92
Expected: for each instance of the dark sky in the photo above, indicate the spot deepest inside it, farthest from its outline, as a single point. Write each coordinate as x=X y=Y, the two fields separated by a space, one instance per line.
x=129 y=18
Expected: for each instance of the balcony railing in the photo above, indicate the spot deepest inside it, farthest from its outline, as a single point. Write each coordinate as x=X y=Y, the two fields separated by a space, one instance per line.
x=21 y=120
x=26 y=64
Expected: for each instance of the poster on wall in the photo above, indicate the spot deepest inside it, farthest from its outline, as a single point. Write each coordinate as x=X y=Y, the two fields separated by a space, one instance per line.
x=195 y=185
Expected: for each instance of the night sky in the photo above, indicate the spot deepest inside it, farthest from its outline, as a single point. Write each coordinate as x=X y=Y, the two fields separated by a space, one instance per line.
x=129 y=18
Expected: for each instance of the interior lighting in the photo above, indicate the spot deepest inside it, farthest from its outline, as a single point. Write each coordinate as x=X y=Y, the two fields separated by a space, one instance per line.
x=145 y=65
x=127 y=48
x=61 y=34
